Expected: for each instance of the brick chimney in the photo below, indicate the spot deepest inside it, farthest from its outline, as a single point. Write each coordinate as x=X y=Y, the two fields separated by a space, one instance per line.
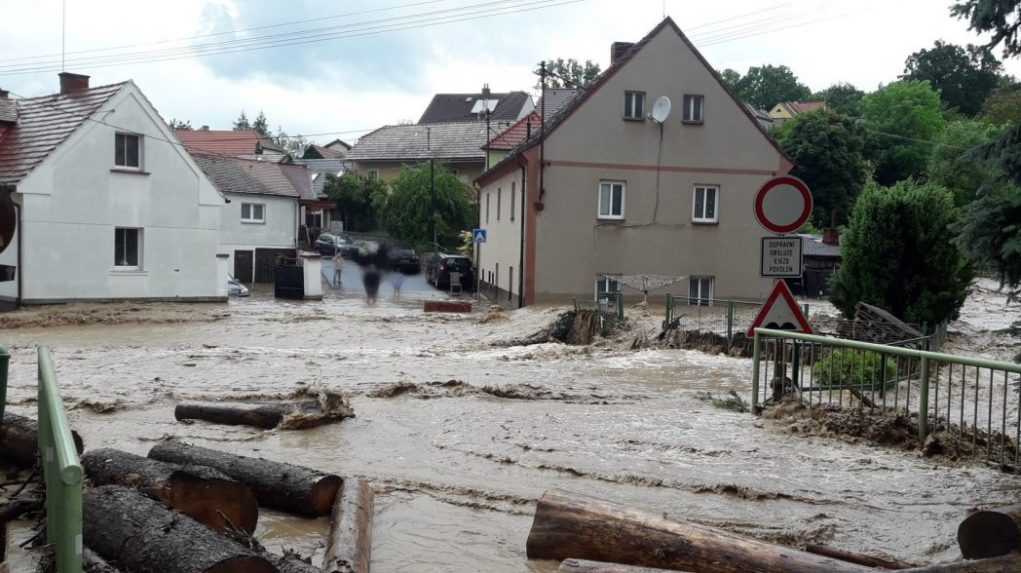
x=830 y=237
x=73 y=83
x=4 y=94
x=618 y=49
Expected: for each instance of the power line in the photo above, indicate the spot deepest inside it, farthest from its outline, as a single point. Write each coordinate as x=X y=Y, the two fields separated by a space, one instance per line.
x=420 y=20
x=737 y=17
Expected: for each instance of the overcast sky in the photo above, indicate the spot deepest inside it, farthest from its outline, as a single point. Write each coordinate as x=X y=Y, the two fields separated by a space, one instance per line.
x=374 y=74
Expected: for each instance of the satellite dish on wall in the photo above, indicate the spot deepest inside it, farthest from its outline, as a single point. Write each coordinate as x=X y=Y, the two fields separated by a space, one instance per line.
x=661 y=109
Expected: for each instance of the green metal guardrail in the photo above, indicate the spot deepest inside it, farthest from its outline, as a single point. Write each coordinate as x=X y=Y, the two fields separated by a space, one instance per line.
x=62 y=471
x=826 y=366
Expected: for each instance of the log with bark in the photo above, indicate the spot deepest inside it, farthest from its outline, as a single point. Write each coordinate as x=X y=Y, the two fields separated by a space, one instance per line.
x=859 y=558
x=93 y=563
x=990 y=532
x=584 y=566
x=574 y=526
x=202 y=493
x=19 y=439
x=286 y=487
x=349 y=547
x=291 y=563
x=141 y=535
x=328 y=408
x=1010 y=563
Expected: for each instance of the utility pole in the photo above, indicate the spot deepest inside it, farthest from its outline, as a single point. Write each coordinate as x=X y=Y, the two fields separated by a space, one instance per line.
x=485 y=103
x=432 y=189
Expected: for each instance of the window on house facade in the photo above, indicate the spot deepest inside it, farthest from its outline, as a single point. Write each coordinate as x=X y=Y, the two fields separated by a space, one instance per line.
x=372 y=174
x=693 y=108
x=499 y=200
x=488 y=195
x=705 y=204
x=127 y=151
x=253 y=213
x=606 y=285
x=700 y=290
x=513 y=199
x=611 y=199
x=127 y=248
x=634 y=105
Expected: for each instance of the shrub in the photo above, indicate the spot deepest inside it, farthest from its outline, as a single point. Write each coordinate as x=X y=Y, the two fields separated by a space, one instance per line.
x=853 y=368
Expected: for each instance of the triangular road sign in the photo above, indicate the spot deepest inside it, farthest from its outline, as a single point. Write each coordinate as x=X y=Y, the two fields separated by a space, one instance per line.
x=781 y=311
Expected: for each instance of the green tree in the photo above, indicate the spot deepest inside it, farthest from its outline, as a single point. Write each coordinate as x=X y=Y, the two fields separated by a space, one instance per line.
x=828 y=151
x=963 y=77
x=766 y=86
x=990 y=233
x=731 y=78
x=357 y=199
x=899 y=253
x=408 y=209
x=1000 y=17
x=241 y=123
x=178 y=124
x=261 y=125
x=902 y=121
x=842 y=98
x=953 y=164
x=569 y=73
x=1003 y=106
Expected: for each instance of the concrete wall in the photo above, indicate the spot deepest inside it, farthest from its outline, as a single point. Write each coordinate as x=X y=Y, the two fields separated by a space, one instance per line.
x=74 y=201
x=657 y=236
x=278 y=232
x=502 y=250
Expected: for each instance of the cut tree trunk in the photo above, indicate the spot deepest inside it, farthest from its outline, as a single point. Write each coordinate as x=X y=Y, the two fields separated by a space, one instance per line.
x=202 y=493
x=141 y=535
x=568 y=525
x=19 y=439
x=583 y=566
x=289 y=563
x=860 y=559
x=349 y=547
x=1010 y=563
x=990 y=533
x=289 y=416
x=286 y=487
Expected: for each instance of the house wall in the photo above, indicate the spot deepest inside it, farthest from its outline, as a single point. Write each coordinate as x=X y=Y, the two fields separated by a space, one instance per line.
x=502 y=250
x=278 y=232
x=657 y=236
x=73 y=203
x=389 y=170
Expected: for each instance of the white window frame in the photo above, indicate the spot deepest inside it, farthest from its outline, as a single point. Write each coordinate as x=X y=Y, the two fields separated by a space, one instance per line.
x=251 y=219
x=141 y=147
x=139 y=245
x=623 y=200
x=701 y=298
x=630 y=97
x=700 y=218
x=689 y=102
x=606 y=281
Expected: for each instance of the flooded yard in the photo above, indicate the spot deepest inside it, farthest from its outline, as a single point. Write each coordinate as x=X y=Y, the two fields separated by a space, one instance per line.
x=459 y=436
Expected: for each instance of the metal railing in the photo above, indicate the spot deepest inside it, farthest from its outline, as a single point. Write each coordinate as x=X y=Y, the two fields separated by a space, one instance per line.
x=610 y=305
x=721 y=317
x=62 y=471
x=974 y=399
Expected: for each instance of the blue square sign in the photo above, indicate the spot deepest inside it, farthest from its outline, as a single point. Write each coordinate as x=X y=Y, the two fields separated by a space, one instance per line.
x=479 y=235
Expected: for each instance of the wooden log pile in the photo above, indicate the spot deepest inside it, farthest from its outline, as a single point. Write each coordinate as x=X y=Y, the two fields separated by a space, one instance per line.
x=19 y=439
x=329 y=408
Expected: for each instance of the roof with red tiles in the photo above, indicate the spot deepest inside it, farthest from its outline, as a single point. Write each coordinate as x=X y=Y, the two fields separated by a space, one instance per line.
x=225 y=142
x=43 y=123
x=516 y=134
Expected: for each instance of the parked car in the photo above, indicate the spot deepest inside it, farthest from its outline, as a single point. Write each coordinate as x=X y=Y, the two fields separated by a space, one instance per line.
x=440 y=266
x=328 y=245
x=404 y=259
x=235 y=288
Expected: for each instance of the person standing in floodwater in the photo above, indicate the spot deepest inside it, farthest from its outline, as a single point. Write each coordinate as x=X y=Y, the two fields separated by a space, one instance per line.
x=396 y=280
x=370 y=280
x=373 y=261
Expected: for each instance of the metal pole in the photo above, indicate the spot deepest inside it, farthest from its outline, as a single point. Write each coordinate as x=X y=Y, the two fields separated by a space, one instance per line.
x=756 y=343
x=5 y=359
x=923 y=405
x=730 y=324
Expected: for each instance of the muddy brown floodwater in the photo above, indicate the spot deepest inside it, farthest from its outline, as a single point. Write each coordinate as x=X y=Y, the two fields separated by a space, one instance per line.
x=460 y=437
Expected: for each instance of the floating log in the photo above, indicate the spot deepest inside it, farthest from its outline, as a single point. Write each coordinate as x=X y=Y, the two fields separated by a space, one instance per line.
x=290 y=563
x=583 y=566
x=286 y=487
x=141 y=535
x=860 y=559
x=446 y=306
x=202 y=493
x=19 y=439
x=990 y=533
x=349 y=547
x=1010 y=563
x=573 y=526
x=289 y=416
x=93 y=563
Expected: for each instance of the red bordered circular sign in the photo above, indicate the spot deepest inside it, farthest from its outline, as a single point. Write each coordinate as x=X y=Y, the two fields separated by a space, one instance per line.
x=803 y=206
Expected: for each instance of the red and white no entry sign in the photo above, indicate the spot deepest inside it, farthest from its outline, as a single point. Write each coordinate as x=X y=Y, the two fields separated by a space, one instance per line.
x=783 y=204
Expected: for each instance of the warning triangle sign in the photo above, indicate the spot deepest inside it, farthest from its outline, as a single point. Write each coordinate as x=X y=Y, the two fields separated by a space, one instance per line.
x=781 y=311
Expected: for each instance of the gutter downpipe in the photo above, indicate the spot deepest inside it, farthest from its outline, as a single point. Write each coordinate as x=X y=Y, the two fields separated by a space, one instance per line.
x=16 y=200
x=521 y=249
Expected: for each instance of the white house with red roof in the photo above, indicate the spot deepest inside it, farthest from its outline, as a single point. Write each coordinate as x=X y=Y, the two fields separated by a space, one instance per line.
x=110 y=206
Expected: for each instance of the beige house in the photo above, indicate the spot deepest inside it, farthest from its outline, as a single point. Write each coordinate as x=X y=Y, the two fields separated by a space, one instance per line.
x=609 y=195
x=787 y=110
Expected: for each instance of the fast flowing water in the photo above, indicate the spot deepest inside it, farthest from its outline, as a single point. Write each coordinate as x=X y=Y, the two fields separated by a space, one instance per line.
x=458 y=466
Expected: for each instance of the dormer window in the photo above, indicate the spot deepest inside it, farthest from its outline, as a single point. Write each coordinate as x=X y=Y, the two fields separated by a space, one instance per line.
x=127 y=151
x=634 y=105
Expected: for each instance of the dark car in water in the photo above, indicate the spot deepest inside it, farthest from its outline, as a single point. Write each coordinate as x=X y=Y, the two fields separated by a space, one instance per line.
x=440 y=266
x=404 y=259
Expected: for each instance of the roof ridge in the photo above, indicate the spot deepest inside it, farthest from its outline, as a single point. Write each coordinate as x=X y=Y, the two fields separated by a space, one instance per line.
x=75 y=94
